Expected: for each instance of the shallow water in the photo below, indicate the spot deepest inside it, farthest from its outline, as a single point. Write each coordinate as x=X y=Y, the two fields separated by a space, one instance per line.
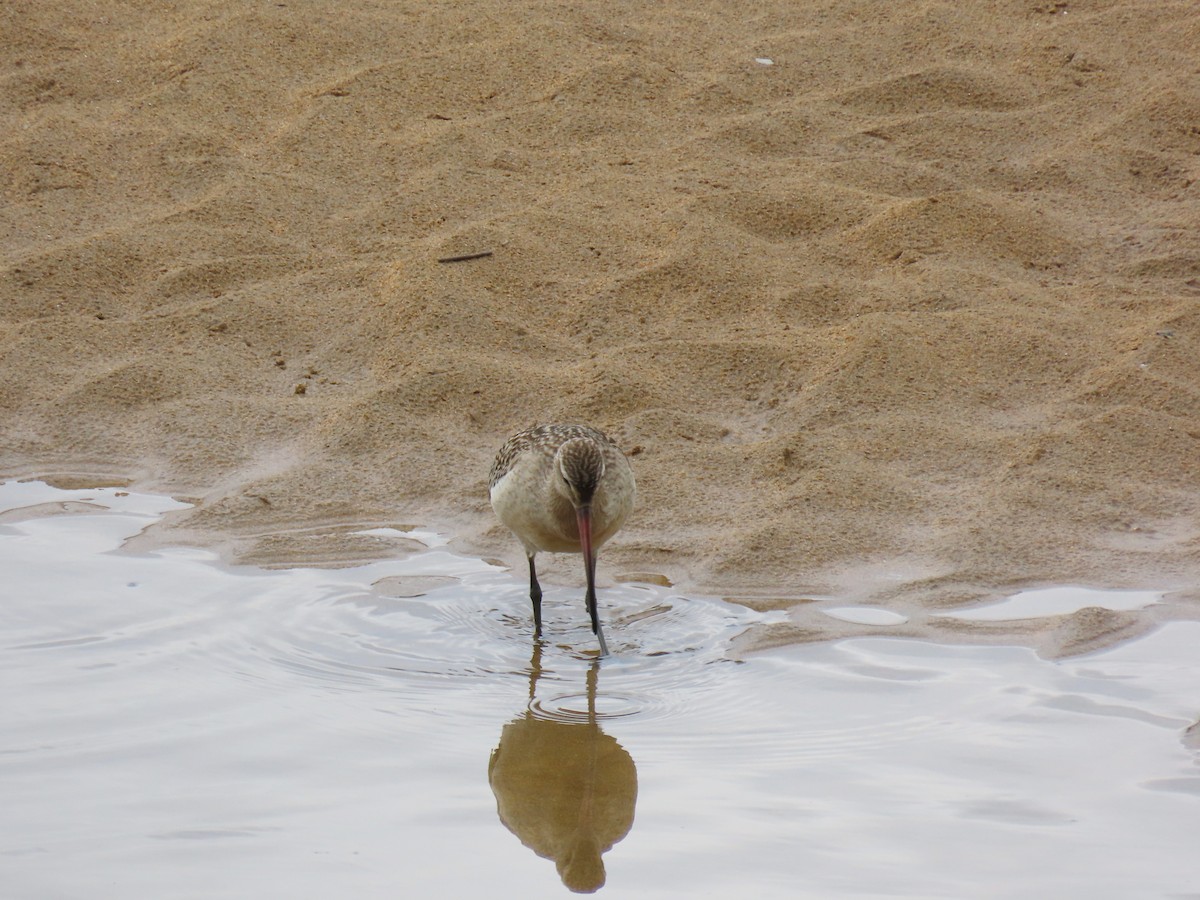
x=177 y=728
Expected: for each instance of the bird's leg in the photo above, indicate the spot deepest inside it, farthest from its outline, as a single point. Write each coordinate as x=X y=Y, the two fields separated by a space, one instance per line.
x=535 y=596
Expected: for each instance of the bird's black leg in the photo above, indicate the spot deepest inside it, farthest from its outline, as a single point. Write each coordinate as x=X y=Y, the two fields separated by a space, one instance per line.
x=535 y=596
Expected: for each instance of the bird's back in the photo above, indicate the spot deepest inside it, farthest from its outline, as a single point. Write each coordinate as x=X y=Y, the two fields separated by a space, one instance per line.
x=543 y=440
x=522 y=492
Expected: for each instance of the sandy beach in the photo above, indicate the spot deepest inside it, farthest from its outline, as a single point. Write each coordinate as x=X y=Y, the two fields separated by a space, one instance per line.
x=897 y=303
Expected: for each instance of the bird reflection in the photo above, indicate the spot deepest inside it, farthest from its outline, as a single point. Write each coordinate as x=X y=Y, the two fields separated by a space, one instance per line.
x=567 y=790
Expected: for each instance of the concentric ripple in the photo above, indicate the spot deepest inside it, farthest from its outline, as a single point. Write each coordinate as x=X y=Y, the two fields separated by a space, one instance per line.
x=579 y=709
x=342 y=636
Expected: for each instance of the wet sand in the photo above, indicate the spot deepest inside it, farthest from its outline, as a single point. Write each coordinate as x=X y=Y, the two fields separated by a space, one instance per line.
x=899 y=304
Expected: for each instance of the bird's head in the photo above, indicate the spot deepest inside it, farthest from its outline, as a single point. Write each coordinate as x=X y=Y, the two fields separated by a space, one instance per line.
x=579 y=465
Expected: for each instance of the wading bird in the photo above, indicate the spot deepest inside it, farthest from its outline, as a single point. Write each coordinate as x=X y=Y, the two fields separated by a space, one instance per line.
x=562 y=489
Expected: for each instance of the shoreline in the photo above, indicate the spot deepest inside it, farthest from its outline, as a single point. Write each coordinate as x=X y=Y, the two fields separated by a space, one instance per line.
x=1087 y=629
x=923 y=294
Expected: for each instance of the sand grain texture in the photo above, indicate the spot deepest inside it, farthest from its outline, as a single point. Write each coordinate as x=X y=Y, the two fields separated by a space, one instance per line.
x=911 y=313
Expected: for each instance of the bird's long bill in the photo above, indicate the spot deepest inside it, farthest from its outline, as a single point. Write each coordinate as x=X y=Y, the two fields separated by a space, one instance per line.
x=583 y=516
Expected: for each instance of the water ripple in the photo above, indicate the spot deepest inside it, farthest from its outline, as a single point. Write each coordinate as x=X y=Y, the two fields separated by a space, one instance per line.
x=194 y=703
x=479 y=631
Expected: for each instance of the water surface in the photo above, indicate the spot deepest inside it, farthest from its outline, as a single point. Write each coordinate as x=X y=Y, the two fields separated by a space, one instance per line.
x=174 y=727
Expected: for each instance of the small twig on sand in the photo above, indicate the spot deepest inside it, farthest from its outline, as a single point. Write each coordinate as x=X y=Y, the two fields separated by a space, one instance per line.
x=464 y=257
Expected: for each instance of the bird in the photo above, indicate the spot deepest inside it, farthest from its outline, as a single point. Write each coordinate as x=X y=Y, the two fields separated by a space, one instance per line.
x=562 y=489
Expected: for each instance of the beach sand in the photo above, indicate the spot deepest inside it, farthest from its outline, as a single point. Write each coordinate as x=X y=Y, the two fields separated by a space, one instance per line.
x=892 y=302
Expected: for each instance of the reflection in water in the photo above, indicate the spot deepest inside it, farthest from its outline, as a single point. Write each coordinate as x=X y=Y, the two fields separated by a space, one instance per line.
x=566 y=789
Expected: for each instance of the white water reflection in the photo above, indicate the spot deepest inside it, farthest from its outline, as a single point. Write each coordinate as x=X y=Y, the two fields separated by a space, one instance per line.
x=1055 y=601
x=173 y=727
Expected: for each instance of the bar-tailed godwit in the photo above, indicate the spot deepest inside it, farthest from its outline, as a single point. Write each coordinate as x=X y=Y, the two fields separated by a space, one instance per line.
x=562 y=489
